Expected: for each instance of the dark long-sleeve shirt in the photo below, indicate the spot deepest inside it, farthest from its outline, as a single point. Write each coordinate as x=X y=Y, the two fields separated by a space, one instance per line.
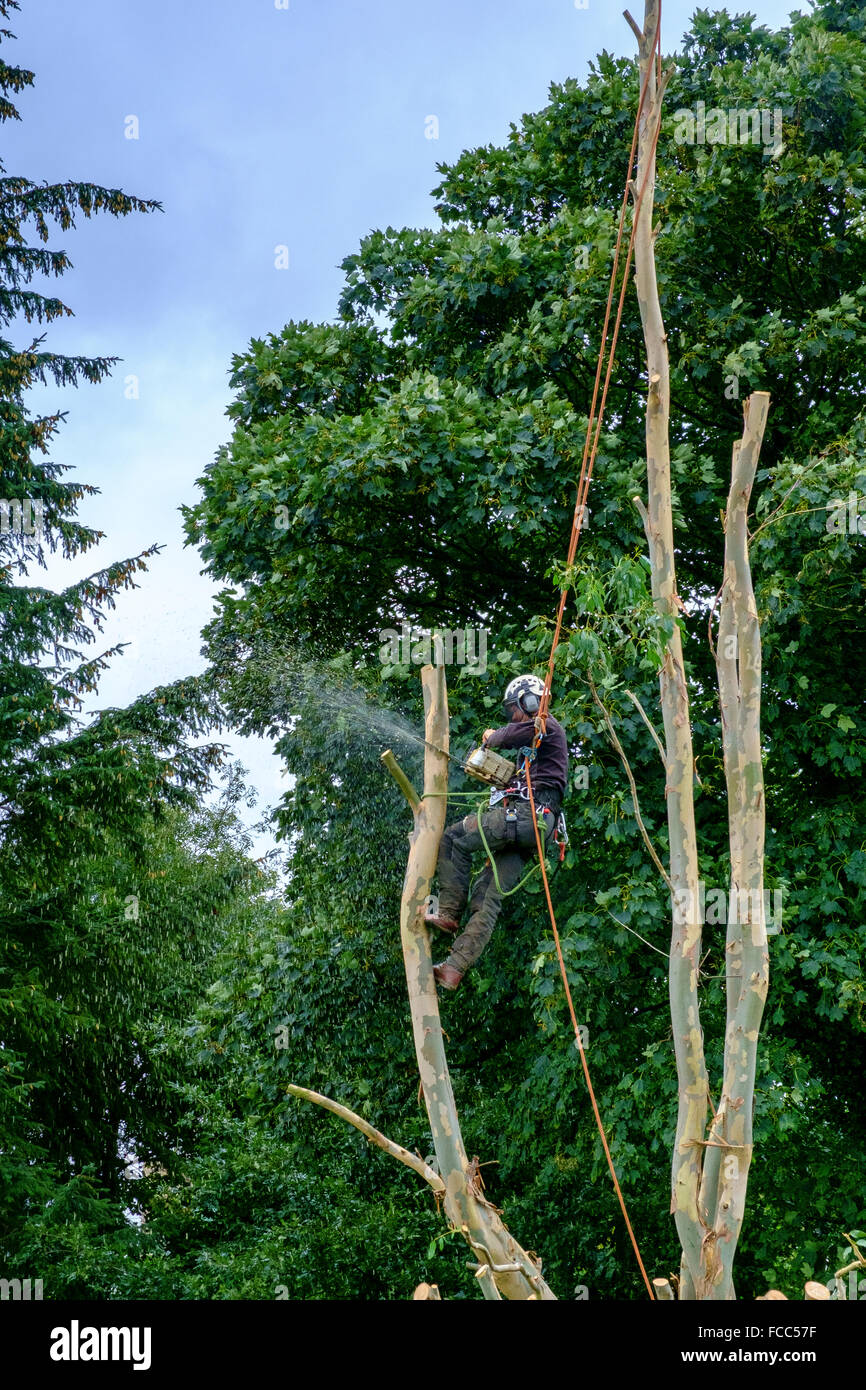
x=549 y=772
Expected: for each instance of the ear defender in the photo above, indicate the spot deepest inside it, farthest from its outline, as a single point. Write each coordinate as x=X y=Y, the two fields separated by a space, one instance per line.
x=525 y=692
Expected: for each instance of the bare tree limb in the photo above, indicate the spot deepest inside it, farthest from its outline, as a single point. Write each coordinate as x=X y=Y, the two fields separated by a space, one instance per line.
x=657 y=516
x=630 y=775
x=374 y=1135
x=738 y=664
x=644 y=514
x=646 y=719
x=636 y=30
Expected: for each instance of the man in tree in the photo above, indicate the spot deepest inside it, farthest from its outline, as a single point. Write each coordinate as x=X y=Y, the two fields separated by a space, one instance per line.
x=508 y=831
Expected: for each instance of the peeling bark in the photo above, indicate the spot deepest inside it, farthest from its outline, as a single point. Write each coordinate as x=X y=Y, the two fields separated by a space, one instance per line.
x=738 y=663
x=679 y=757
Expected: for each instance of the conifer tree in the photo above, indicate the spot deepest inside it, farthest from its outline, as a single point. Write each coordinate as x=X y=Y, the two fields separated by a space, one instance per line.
x=77 y=790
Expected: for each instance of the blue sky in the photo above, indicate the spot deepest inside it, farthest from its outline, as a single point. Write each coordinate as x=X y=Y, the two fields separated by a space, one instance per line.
x=258 y=126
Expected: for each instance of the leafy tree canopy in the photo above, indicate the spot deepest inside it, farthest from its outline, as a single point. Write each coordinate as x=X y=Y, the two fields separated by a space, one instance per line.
x=416 y=459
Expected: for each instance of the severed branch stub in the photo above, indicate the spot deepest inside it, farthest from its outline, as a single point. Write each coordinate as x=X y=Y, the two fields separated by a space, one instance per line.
x=815 y=1292
x=402 y=780
x=506 y=1270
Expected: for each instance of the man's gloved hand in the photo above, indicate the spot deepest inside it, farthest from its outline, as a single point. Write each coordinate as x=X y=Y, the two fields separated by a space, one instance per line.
x=485 y=736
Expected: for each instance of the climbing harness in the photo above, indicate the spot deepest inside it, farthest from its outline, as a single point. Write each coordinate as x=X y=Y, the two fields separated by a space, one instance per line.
x=560 y=836
x=514 y=791
x=513 y=787
x=507 y=892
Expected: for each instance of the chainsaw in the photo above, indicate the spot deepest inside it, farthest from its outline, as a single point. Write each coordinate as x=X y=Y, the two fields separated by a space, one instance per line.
x=489 y=767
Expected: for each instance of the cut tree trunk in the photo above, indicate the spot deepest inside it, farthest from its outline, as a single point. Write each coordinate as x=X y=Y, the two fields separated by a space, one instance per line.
x=738 y=663
x=685 y=952
x=503 y=1268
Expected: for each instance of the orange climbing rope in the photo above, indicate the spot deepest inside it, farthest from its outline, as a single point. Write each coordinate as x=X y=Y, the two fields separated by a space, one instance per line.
x=589 y=452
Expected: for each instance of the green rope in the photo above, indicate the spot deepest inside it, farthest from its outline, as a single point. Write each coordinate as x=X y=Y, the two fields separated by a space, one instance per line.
x=453 y=796
x=479 y=803
x=503 y=893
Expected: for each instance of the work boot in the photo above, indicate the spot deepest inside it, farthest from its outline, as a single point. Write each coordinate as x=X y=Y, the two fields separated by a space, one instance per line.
x=442 y=920
x=446 y=975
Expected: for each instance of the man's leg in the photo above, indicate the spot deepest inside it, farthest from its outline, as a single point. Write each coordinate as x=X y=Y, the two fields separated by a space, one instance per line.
x=512 y=857
x=485 y=907
x=454 y=865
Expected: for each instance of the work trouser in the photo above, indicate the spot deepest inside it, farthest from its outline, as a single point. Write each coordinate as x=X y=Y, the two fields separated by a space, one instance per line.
x=511 y=850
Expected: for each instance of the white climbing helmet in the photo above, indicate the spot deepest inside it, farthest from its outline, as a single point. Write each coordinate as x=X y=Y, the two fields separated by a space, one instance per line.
x=525 y=692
